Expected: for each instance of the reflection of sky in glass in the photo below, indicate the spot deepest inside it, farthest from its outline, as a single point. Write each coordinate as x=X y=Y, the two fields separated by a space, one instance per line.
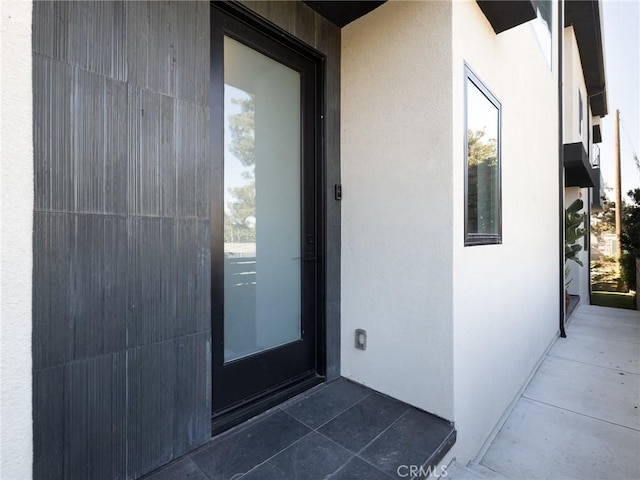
x=481 y=113
x=233 y=168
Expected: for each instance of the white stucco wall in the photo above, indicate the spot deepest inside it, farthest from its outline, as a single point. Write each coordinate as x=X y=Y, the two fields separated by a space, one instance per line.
x=506 y=297
x=16 y=214
x=396 y=207
x=573 y=81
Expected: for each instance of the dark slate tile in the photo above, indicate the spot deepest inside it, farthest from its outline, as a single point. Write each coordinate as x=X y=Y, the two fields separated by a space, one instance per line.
x=116 y=155
x=151 y=149
x=151 y=315
x=314 y=457
x=53 y=264
x=153 y=383
x=358 y=469
x=410 y=441
x=48 y=423
x=51 y=38
x=184 y=52
x=359 y=425
x=186 y=159
x=327 y=403
x=161 y=45
x=202 y=58
x=242 y=451
x=54 y=169
x=203 y=162
x=96 y=401
x=97 y=39
x=89 y=141
x=193 y=298
x=192 y=427
x=114 y=284
x=137 y=55
x=183 y=469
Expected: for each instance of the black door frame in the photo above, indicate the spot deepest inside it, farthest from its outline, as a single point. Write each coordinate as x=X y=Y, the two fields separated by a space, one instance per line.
x=241 y=411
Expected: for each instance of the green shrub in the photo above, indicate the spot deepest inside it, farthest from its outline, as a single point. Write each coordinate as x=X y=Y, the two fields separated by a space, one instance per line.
x=628 y=270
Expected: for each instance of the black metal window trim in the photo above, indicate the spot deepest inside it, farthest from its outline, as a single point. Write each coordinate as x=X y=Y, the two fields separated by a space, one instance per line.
x=473 y=239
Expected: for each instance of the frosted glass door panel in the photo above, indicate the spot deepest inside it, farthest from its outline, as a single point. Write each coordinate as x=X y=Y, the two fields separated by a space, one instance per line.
x=262 y=202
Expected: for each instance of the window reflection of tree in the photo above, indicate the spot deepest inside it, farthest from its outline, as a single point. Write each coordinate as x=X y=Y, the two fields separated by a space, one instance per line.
x=239 y=221
x=482 y=182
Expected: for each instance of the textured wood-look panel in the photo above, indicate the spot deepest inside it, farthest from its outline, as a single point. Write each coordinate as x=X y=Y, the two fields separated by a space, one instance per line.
x=305 y=24
x=283 y=14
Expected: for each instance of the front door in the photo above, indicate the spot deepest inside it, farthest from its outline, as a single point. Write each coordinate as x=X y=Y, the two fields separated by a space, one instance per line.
x=265 y=230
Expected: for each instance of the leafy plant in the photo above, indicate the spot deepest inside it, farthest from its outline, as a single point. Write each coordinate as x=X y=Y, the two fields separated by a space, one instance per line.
x=573 y=232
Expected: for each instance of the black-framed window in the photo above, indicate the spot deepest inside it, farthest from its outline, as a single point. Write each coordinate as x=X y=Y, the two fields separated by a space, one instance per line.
x=580 y=113
x=482 y=147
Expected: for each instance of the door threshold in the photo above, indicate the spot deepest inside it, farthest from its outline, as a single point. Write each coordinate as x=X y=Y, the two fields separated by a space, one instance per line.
x=237 y=414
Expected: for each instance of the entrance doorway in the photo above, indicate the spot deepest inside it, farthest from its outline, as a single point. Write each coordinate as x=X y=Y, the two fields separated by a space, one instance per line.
x=265 y=226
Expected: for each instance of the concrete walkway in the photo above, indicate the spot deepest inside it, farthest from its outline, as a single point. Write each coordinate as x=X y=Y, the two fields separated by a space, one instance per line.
x=579 y=418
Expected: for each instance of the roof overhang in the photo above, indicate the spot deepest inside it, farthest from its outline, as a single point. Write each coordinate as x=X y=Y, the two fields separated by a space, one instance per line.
x=585 y=17
x=342 y=12
x=503 y=15
x=578 y=171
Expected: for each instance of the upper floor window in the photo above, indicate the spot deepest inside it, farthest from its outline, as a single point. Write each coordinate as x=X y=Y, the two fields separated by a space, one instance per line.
x=580 y=114
x=483 y=209
x=542 y=26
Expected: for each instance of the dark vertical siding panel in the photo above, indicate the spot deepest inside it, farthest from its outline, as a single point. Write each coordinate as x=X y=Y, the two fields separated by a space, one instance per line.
x=152 y=169
x=192 y=407
x=161 y=47
x=283 y=14
x=167 y=166
x=186 y=282
x=106 y=38
x=305 y=24
x=48 y=423
x=152 y=280
x=202 y=58
x=186 y=160
x=137 y=38
x=185 y=51
x=88 y=141
x=88 y=301
x=203 y=162
x=152 y=377
x=116 y=158
x=54 y=169
x=53 y=329
x=203 y=277
x=114 y=284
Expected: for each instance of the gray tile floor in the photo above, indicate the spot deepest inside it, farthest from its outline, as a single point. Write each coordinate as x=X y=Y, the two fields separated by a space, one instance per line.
x=340 y=431
x=579 y=417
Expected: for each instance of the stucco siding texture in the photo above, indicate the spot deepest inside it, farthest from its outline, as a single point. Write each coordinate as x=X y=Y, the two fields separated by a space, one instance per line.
x=121 y=341
x=506 y=304
x=397 y=205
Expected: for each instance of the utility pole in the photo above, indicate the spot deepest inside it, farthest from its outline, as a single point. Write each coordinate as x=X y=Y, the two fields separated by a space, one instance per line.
x=616 y=159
